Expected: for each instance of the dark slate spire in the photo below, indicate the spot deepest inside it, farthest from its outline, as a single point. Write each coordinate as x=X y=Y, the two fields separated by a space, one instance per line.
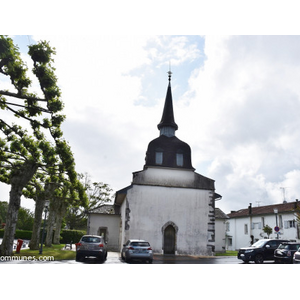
x=167 y=125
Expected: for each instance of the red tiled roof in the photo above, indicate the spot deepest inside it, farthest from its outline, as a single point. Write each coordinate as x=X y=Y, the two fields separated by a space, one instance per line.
x=264 y=210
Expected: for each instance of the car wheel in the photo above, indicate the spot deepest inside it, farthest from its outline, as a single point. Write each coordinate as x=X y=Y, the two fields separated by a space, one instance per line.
x=259 y=259
x=78 y=257
x=101 y=258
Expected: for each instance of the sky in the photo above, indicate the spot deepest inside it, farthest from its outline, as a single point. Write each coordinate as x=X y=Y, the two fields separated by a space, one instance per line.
x=236 y=101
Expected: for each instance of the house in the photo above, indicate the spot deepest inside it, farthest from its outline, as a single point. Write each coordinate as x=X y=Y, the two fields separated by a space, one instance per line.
x=167 y=203
x=245 y=226
x=220 y=230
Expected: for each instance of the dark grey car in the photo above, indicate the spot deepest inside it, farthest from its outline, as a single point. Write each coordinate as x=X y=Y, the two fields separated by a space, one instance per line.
x=91 y=245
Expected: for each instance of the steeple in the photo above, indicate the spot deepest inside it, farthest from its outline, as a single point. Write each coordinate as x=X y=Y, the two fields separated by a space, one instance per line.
x=167 y=151
x=167 y=125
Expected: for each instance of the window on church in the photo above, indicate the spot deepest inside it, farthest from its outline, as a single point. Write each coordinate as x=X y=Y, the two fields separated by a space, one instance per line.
x=158 y=157
x=179 y=159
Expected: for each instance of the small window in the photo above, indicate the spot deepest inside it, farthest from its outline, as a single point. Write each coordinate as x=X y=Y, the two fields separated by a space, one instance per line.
x=246 y=228
x=158 y=157
x=179 y=159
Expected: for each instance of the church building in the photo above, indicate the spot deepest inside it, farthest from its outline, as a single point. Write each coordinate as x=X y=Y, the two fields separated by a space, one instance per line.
x=167 y=204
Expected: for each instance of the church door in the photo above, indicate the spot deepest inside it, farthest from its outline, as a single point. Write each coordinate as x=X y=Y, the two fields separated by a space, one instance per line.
x=169 y=240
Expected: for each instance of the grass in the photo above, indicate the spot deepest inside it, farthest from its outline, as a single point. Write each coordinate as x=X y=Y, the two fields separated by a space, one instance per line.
x=55 y=252
x=228 y=253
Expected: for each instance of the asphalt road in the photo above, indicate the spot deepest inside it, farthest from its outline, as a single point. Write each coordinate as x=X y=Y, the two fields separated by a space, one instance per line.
x=114 y=258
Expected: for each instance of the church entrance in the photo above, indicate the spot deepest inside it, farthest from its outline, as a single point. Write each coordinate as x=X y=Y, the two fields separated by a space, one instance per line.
x=169 y=240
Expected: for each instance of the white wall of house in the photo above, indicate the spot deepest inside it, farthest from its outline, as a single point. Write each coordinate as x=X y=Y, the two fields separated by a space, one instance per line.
x=220 y=233
x=240 y=229
x=109 y=222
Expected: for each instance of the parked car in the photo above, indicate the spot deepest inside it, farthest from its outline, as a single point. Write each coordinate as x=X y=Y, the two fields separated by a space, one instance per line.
x=91 y=245
x=296 y=259
x=285 y=252
x=137 y=249
x=260 y=251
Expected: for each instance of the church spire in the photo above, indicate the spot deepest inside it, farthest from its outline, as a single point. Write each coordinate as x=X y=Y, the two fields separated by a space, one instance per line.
x=167 y=125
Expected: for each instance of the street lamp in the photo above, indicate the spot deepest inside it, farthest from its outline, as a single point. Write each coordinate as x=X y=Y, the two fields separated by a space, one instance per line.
x=276 y=212
x=47 y=202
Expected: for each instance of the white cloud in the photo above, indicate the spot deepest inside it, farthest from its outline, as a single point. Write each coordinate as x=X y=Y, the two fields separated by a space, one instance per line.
x=245 y=116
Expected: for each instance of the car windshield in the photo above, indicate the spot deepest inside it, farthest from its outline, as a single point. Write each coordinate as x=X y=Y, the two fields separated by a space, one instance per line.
x=140 y=244
x=289 y=246
x=259 y=243
x=91 y=239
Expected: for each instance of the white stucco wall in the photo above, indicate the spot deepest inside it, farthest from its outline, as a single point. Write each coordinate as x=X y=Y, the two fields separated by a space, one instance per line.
x=112 y=223
x=220 y=232
x=151 y=207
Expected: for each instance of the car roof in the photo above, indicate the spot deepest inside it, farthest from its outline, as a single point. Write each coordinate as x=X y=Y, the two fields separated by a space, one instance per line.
x=291 y=243
x=134 y=240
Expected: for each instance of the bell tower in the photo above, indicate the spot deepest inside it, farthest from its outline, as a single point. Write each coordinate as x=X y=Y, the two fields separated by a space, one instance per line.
x=167 y=150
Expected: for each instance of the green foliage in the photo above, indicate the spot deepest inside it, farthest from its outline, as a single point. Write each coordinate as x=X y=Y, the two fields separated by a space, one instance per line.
x=25 y=216
x=25 y=219
x=71 y=235
x=20 y=234
x=268 y=230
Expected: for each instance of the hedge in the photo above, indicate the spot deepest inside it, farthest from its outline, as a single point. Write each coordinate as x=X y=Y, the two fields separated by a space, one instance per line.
x=20 y=234
x=67 y=235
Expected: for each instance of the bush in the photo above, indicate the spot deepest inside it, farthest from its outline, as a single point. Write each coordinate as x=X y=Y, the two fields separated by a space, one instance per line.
x=68 y=236
x=20 y=234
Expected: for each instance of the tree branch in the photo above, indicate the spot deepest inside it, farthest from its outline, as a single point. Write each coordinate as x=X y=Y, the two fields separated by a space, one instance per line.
x=21 y=96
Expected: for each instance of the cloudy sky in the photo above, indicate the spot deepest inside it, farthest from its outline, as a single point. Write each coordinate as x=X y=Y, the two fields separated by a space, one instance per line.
x=236 y=101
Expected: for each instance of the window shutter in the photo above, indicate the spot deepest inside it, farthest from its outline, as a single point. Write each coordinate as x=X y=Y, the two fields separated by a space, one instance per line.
x=286 y=224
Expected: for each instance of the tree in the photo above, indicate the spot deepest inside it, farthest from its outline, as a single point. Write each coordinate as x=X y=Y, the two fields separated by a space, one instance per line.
x=26 y=154
x=268 y=230
x=98 y=193
x=25 y=216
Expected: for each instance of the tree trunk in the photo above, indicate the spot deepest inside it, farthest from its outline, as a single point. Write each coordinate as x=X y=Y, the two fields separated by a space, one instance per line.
x=41 y=196
x=50 y=225
x=19 y=180
x=36 y=230
x=59 y=217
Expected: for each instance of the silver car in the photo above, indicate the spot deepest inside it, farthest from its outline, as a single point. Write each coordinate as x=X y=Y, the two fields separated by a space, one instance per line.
x=137 y=249
x=296 y=259
x=91 y=245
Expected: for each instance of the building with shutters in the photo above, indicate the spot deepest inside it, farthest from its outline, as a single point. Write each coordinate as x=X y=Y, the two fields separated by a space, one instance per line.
x=168 y=203
x=245 y=226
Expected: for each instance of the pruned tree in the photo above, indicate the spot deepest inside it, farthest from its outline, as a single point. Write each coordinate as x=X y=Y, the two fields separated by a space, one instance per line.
x=29 y=152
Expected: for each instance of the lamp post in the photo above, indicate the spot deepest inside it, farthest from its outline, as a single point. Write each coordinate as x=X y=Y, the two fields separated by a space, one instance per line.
x=47 y=202
x=276 y=212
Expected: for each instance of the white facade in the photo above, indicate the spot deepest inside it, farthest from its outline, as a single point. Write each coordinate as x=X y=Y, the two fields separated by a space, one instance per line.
x=220 y=230
x=107 y=225
x=242 y=230
x=168 y=203
x=162 y=197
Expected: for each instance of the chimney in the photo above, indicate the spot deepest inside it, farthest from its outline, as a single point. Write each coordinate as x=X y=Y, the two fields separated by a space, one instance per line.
x=250 y=208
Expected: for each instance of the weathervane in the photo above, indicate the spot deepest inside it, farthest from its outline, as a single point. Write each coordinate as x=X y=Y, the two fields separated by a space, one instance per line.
x=170 y=73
